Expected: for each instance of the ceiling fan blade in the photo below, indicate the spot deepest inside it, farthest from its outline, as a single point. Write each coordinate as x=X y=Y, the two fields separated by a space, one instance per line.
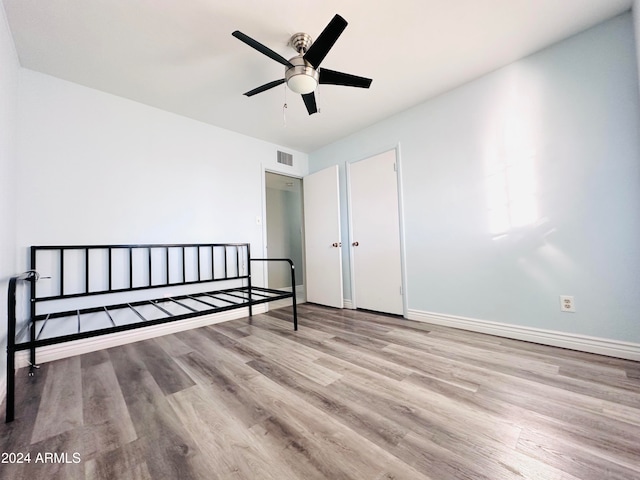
x=310 y=102
x=325 y=41
x=261 y=48
x=331 y=77
x=264 y=87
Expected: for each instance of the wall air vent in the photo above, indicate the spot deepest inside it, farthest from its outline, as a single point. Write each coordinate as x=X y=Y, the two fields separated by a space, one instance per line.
x=285 y=158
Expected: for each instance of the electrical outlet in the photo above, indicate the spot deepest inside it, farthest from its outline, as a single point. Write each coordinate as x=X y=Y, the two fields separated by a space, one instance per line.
x=567 y=304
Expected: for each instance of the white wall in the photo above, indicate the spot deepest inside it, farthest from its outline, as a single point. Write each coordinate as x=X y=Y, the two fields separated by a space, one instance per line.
x=103 y=169
x=9 y=68
x=568 y=116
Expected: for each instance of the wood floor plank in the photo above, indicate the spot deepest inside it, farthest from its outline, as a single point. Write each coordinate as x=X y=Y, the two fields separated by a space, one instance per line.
x=169 y=377
x=350 y=395
x=124 y=463
x=164 y=443
x=106 y=420
x=67 y=464
x=233 y=451
x=173 y=346
x=28 y=395
x=300 y=358
x=363 y=420
x=329 y=446
x=587 y=463
x=225 y=386
x=61 y=406
x=202 y=339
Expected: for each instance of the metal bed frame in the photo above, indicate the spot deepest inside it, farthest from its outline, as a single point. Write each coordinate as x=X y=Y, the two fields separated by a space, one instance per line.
x=103 y=289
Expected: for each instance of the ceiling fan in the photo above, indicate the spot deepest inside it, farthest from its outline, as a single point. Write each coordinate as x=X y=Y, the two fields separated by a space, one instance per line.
x=303 y=72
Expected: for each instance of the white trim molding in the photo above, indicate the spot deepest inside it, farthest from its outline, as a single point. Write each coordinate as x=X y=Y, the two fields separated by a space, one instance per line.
x=583 y=343
x=347 y=303
x=92 y=344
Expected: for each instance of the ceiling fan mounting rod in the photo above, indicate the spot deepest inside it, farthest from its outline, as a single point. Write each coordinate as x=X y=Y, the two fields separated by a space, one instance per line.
x=300 y=42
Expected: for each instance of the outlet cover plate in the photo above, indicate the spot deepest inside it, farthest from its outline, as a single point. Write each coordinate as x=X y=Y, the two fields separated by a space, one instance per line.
x=567 y=304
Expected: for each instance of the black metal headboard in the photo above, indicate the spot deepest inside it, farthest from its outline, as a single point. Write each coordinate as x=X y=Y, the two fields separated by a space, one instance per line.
x=84 y=270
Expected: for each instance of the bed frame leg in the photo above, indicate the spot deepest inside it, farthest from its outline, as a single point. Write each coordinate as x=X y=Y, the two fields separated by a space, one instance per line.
x=11 y=382
x=11 y=349
x=32 y=369
x=293 y=290
x=33 y=366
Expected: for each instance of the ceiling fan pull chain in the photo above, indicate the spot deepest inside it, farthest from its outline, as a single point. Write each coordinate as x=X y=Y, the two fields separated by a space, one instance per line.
x=284 y=109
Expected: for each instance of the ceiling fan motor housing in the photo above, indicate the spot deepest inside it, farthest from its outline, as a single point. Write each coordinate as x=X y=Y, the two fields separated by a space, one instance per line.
x=302 y=77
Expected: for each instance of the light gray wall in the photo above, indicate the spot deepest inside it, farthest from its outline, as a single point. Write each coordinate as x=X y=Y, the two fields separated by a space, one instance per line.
x=569 y=117
x=9 y=68
x=284 y=235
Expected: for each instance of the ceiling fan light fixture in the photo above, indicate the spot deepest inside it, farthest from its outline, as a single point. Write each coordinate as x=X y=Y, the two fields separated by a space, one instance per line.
x=302 y=78
x=302 y=83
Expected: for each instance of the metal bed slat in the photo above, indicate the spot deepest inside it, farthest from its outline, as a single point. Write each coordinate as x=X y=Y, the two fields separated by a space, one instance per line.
x=182 y=304
x=202 y=301
x=137 y=313
x=160 y=308
x=261 y=294
x=44 y=323
x=109 y=315
x=237 y=296
x=222 y=299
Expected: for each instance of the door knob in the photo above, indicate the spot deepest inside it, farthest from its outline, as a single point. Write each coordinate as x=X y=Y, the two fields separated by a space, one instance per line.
x=355 y=244
x=336 y=244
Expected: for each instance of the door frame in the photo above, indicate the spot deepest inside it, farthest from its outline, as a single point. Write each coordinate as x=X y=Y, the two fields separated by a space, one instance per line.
x=263 y=220
x=401 y=226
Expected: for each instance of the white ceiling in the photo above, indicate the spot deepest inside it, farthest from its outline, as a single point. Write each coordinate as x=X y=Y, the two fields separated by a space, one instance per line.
x=179 y=55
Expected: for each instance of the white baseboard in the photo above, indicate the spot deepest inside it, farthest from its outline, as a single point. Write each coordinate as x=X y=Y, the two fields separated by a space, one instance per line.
x=583 y=343
x=346 y=303
x=78 y=347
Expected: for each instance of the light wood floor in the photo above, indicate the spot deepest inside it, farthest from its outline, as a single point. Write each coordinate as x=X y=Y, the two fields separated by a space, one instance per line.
x=351 y=395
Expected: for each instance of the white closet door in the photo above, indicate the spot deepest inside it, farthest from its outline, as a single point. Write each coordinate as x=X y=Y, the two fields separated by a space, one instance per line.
x=322 y=238
x=375 y=223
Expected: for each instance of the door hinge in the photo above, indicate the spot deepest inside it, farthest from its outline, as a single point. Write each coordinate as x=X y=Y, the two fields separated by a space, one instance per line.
x=395 y=167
